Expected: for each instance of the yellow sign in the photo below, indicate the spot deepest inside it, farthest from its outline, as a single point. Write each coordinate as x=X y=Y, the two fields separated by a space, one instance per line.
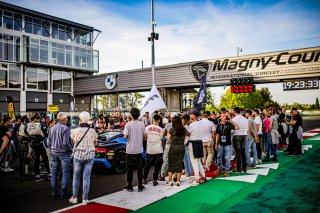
x=53 y=108
x=11 y=110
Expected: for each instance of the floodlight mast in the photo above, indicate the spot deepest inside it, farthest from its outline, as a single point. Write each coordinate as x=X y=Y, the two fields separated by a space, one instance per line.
x=154 y=36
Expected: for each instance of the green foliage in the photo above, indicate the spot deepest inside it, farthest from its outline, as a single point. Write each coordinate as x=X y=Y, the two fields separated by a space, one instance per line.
x=258 y=99
x=317 y=106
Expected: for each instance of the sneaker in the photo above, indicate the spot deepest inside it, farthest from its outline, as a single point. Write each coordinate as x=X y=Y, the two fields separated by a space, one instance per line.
x=170 y=183
x=73 y=200
x=162 y=178
x=203 y=179
x=154 y=183
x=253 y=166
x=249 y=166
x=217 y=172
x=178 y=183
x=128 y=188
x=38 y=178
x=85 y=202
x=226 y=174
x=144 y=181
x=195 y=182
x=140 y=188
x=8 y=169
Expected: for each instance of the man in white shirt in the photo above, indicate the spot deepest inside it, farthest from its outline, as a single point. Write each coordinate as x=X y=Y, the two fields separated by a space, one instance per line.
x=196 y=148
x=134 y=131
x=239 y=140
x=153 y=136
x=258 y=121
x=208 y=133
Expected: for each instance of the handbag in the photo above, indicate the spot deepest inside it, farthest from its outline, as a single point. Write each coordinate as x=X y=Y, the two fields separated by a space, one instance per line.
x=75 y=147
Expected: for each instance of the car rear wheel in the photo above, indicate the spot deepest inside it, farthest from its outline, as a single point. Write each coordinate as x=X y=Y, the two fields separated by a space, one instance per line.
x=119 y=161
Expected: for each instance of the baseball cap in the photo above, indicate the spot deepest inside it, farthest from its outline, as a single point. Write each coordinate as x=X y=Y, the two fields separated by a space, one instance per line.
x=194 y=112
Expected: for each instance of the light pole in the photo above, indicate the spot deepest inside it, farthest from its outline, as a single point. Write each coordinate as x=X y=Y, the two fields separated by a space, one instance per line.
x=239 y=49
x=154 y=36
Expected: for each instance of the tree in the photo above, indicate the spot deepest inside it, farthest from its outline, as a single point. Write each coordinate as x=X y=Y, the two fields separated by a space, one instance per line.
x=316 y=105
x=258 y=99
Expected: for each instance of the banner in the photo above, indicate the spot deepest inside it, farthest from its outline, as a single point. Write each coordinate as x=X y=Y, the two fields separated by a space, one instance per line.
x=71 y=100
x=154 y=102
x=202 y=95
x=11 y=110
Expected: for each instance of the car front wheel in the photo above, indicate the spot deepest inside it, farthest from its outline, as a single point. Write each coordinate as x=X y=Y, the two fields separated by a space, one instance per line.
x=119 y=161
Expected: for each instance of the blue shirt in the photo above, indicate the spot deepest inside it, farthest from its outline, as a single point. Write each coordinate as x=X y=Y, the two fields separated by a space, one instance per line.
x=59 y=139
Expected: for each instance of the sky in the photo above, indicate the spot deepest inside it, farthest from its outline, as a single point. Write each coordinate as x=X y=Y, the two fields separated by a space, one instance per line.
x=192 y=31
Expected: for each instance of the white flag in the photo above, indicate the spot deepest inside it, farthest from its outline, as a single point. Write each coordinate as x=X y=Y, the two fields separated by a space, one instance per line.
x=154 y=102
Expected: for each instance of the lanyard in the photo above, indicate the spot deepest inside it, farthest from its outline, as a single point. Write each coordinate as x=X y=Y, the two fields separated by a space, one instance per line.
x=223 y=125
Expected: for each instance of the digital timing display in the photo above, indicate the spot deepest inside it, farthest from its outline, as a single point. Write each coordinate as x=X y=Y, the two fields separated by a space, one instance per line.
x=301 y=84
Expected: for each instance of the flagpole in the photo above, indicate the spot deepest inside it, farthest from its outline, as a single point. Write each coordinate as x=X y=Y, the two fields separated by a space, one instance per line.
x=154 y=36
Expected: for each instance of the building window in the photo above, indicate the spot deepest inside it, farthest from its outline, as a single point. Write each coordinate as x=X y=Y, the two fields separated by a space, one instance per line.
x=8 y=20
x=9 y=47
x=17 y=22
x=3 y=75
x=37 y=78
x=44 y=51
x=61 y=81
x=28 y=24
x=14 y=76
x=45 y=29
x=9 y=76
x=34 y=50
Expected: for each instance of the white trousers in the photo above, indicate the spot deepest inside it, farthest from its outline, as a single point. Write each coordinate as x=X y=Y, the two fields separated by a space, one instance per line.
x=196 y=164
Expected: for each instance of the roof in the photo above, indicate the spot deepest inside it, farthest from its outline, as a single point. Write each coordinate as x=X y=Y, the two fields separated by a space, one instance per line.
x=40 y=15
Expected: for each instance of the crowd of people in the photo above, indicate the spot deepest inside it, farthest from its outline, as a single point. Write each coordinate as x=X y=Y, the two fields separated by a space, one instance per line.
x=176 y=144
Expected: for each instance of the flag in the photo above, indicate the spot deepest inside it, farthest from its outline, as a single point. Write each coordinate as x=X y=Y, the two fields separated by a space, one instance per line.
x=154 y=102
x=202 y=95
x=71 y=100
x=11 y=113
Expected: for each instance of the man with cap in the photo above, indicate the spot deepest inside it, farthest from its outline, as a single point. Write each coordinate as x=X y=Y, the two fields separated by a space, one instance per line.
x=164 y=168
x=196 y=147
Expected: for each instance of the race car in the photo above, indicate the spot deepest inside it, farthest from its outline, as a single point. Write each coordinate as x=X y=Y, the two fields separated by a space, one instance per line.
x=111 y=150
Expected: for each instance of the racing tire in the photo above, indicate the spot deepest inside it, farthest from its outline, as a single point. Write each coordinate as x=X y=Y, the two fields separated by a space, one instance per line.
x=119 y=163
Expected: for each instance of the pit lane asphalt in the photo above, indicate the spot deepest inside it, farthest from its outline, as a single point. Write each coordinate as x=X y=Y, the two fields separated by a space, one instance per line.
x=28 y=196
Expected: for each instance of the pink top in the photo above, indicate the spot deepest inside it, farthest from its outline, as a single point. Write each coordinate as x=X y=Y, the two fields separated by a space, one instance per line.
x=266 y=123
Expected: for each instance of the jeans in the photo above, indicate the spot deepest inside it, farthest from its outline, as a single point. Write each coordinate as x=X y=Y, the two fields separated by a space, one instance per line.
x=84 y=167
x=239 y=142
x=64 y=161
x=251 y=145
x=187 y=162
x=157 y=159
x=227 y=152
x=164 y=168
x=134 y=160
x=259 y=148
x=196 y=164
x=271 y=147
x=207 y=154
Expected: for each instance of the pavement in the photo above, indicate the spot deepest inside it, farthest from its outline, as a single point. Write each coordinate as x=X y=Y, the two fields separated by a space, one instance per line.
x=27 y=196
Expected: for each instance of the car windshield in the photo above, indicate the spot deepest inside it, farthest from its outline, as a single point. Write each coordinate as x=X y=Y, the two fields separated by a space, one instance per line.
x=108 y=135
